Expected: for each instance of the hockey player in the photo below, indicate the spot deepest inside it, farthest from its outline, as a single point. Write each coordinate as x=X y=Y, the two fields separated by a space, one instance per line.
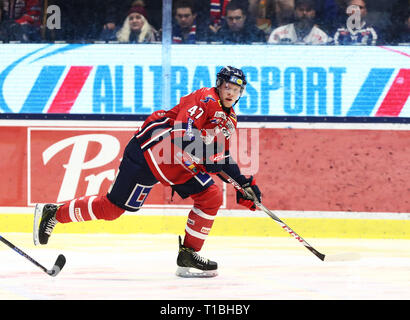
x=179 y=148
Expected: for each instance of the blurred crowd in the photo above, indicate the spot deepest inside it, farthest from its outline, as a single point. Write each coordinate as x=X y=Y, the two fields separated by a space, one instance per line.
x=315 y=22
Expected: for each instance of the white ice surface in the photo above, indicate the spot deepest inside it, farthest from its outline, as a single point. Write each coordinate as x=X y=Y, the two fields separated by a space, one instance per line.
x=139 y=267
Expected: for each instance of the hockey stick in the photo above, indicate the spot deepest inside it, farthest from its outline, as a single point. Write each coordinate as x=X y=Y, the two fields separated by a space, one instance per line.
x=55 y=270
x=321 y=256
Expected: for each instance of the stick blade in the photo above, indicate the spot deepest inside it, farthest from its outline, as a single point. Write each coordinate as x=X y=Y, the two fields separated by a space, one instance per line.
x=346 y=256
x=60 y=262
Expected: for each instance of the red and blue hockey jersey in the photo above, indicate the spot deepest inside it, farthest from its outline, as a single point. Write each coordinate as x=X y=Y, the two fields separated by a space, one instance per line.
x=162 y=132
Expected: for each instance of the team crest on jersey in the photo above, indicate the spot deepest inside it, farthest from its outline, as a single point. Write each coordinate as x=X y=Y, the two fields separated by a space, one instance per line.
x=220 y=114
x=207 y=99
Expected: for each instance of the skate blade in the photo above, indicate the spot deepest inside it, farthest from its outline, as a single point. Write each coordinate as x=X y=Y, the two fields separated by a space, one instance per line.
x=38 y=211
x=186 y=272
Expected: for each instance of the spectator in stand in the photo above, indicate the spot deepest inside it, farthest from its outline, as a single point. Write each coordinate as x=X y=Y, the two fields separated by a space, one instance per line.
x=21 y=20
x=217 y=13
x=186 y=28
x=116 y=12
x=237 y=28
x=359 y=34
x=213 y=12
x=135 y=29
x=303 y=30
x=329 y=13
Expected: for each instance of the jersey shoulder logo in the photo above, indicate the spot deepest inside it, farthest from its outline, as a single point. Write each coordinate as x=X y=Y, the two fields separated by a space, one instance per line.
x=207 y=99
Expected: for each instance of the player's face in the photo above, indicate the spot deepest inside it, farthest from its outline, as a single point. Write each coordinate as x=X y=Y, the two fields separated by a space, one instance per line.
x=229 y=93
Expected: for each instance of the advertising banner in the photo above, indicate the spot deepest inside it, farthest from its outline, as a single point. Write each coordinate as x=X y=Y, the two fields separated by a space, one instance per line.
x=335 y=81
x=348 y=169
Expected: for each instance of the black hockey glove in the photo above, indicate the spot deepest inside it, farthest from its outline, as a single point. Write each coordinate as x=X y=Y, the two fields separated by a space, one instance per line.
x=252 y=190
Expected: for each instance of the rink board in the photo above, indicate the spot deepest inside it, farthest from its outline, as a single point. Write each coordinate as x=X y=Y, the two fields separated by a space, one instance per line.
x=351 y=171
x=316 y=167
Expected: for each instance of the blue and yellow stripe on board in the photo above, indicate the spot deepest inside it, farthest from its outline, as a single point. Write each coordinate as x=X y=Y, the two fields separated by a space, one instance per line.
x=226 y=226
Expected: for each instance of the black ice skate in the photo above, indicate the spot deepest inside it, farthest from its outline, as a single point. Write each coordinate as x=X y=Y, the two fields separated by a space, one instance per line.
x=192 y=265
x=44 y=222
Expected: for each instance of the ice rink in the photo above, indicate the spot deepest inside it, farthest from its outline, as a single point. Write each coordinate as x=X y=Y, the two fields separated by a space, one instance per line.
x=142 y=267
